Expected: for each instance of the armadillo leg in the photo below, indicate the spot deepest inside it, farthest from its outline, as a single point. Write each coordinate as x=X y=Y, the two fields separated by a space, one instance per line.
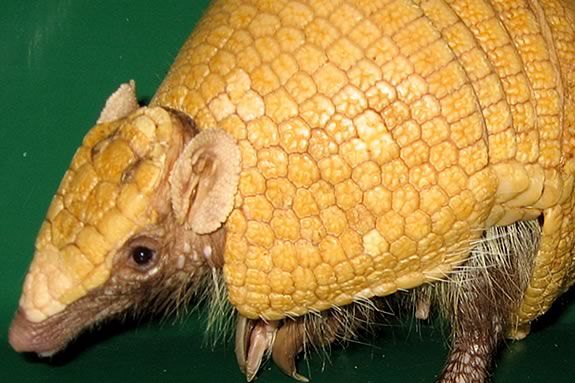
x=471 y=353
x=481 y=297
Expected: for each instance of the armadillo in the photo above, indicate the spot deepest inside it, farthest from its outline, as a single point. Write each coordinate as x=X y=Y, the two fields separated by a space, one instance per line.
x=304 y=160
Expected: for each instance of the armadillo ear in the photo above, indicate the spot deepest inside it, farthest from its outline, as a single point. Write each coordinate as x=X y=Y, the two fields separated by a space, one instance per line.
x=204 y=181
x=120 y=104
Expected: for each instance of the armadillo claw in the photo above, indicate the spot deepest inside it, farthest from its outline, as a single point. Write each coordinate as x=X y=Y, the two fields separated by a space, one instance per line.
x=422 y=307
x=254 y=340
x=288 y=344
x=243 y=328
x=261 y=341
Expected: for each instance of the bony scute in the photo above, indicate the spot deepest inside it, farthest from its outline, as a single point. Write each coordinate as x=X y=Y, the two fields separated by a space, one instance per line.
x=307 y=162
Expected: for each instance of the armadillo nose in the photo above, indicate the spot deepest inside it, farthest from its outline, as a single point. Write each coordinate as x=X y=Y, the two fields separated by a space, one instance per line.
x=22 y=334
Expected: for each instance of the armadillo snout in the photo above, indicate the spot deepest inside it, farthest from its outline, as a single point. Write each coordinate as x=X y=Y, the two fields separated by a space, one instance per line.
x=27 y=336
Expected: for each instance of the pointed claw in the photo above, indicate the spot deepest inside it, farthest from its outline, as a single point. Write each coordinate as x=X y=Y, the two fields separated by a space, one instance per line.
x=260 y=343
x=254 y=339
x=288 y=344
x=300 y=378
x=243 y=329
x=257 y=348
x=422 y=307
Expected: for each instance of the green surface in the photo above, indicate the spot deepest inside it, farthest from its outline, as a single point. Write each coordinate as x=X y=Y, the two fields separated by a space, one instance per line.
x=59 y=60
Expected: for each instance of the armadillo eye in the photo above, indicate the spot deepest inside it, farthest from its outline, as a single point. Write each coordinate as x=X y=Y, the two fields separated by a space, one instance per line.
x=142 y=255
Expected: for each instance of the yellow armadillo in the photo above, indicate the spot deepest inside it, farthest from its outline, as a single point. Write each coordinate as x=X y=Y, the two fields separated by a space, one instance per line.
x=322 y=153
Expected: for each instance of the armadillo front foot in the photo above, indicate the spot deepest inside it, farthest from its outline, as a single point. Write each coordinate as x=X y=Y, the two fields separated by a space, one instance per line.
x=257 y=339
x=254 y=341
x=285 y=340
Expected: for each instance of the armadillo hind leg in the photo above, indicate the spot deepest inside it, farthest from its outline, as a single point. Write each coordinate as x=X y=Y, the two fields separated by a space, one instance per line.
x=481 y=296
x=472 y=350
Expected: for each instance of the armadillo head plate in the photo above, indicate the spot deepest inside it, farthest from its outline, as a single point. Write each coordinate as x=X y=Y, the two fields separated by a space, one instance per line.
x=107 y=195
x=104 y=198
x=144 y=198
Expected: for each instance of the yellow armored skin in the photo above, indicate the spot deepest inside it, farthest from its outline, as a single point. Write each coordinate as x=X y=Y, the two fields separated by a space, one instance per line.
x=379 y=138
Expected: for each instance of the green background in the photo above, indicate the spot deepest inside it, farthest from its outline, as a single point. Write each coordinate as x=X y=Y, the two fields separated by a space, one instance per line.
x=59 y=60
